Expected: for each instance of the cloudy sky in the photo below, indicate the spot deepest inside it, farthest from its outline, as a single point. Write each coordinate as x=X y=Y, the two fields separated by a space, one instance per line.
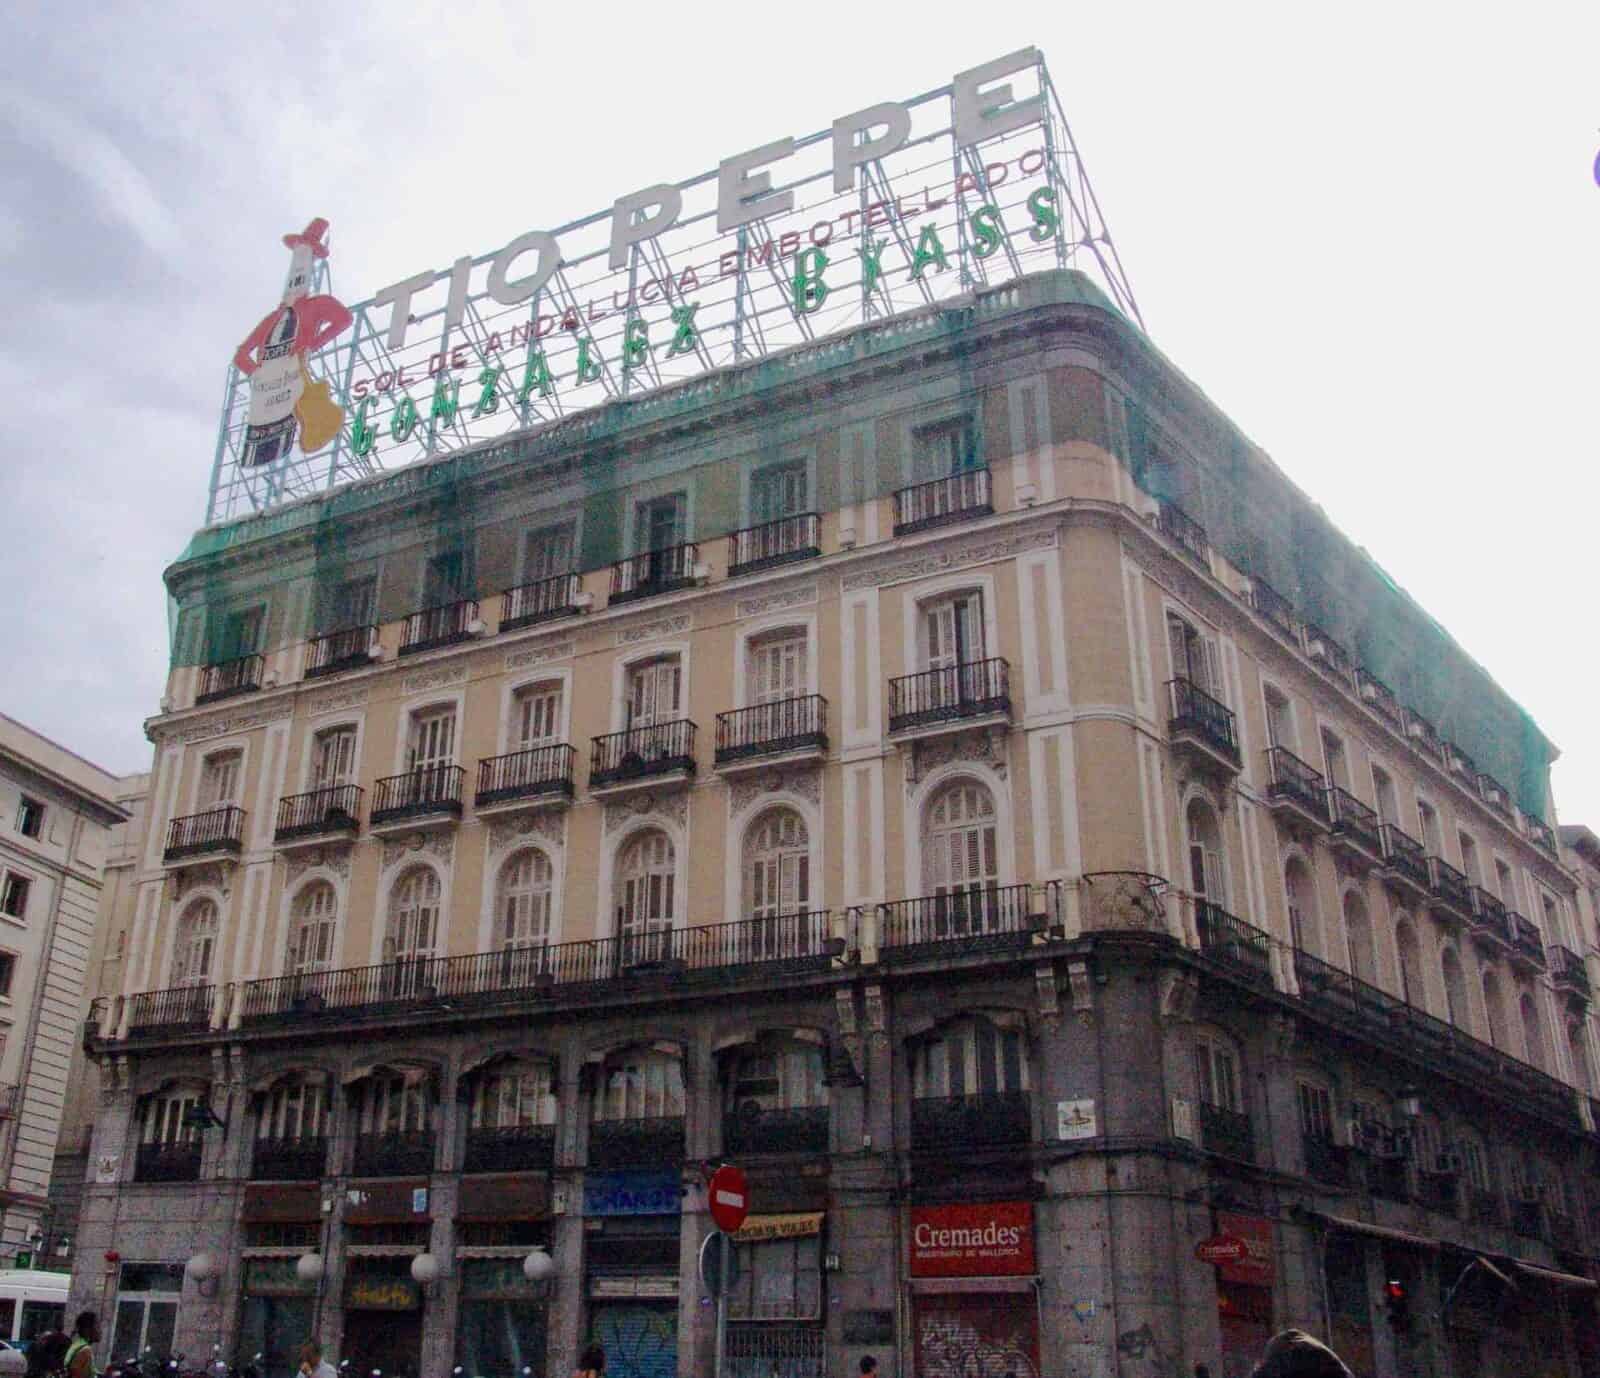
x=1373 y=237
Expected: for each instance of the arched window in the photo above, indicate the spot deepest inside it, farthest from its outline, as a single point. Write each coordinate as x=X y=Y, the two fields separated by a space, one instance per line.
x=514 y=1093
x=294 y=1109
x=1494 y=1011
x=1580 y=1058
x=1206 y=872
x=1455 y=989
x=1217 y=1074
x=396 y=1102
x=313 y=922
x=959 y=849
x=777 y=865
x=1475 y=1161
x=1533 y=1034
x=776 y=1097
x=1405 y=942
x=522 y=900
x=1305 y=928
x=195 y=950
x=972 y=1056
x=1358 y=934
x=641 y=1084
x=413 y=916
x=646 y=900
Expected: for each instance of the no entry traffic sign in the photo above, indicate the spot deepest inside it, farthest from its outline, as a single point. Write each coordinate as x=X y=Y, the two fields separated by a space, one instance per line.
x=730 y=1197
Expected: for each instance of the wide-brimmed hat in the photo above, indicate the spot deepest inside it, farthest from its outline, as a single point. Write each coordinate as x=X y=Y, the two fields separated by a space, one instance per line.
x=310 y=236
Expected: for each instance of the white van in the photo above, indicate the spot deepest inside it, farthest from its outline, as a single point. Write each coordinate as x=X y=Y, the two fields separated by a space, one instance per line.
x=32 y=1301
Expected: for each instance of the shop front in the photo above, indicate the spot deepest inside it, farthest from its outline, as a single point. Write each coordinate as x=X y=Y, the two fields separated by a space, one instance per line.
x=1244 y=1292
x=502 y=1320
x=632 y=1223
x=277 y=1309
x=974 y=1293
x=386 y=1225
x=775 y=1310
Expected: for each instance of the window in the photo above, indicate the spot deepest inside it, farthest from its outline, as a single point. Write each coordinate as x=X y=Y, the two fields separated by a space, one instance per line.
x=1554 y=929
x=1300 y=892
x=522 y=900
x=1206 y=872
x=1333 y=760
x=971 y=1057
x=354 y=604
x=396 y=1103
x=941 y=449
x=30 y=817
x=442 y=580
x=777 y=491
x=1383 y=796
x=1217 y=1075
x=1579 y=1049
x=1316 y=1112
x=1428 y=823
x=652 y=692
x=333 y=757
x=777 y=866
x=778 y=1074
x=536 y=715
x=514 y=1094
x=1506 y=884
x=1469 y=859
x=777 y=667
x=294 y=1110
x=1358 y=935
x=1455 y=989
x=413 y=916
x=643 y=1085
x=14 y=895
x=1493 y=1010
x=165 y=1118
x=960 y=851
x=196 y=946
x=659 y=523
x=8 y=971
x=1194 y=657
x=1533 y=1034
x=952 y=631
x=1405 y=941
x=1280 y=719
x=241 y=632
x=1476 y=1161
x=219 y=779
x=147 y=1309
x=645 y=895
x=432 y=739
x=313 y=923
x=548 y=551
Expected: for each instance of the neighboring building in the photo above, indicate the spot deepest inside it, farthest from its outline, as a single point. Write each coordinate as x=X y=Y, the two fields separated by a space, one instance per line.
x=895 y=771
x=57 y=813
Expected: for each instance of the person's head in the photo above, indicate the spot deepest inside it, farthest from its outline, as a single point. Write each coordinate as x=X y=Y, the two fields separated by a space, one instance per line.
x=87 y=1325
x=593 y=1359
x=311 y=1353
x=1294 y=1354
x=869 y=1366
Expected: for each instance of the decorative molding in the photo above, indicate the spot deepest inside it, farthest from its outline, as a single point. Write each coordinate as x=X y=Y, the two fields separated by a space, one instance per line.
x=336 y=699
x=1082 y=983
x=844 y=1008
x=649 y=631
x=943 y=561
x=208 y=875
x=1179 y=992
x=550 y=825
x=982 y=746
x=334 y=857
x=1044 y=980
x=670 y=804
x=1282 y=1031
x=804 y=781
x=439 y=845
x=541 y=655
x=876 y=1023
x=226 y=727
x=434 y=678
x=776 y=601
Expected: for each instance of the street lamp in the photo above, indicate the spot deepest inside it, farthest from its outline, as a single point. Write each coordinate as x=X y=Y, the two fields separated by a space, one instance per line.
x=425 y=1268
x=309 y=1268
x=538 y=1266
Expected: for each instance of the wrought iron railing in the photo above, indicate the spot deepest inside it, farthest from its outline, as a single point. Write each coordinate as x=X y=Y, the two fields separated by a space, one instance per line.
x=1404 y=857
x=653 y=572
x=1195 y=711
x=1183 y=530
x=1389 y=1177
x=349 y=648
x=241 y=675
x=1226 y=1132
x=993 y=1119
x=430 y=628
x=1449 y=886
x=1293 y=779
x=772 y=543
x=1439 y=1191
x=510 y=1148
x=178 y=1009
x=1326 y=652
x=1378 y=696
x=426 y=790
x=1489 y=918
x=758 y=1129
x=537 y=772
x=1527 y=1217
x=1273 y=606
x=642 y=752
x=1541 y=833
x=289 y=1160
x=1423 y=735
x=978 y=916
x=541 y=601
x=1568 y=971
x=173 y=1161
x=332 y=809
x=1484 y=1206
x=953 y=498
x=201 y=834
x=401 y=1153
x=1224 y=937
x=772 y=729
x=1326 y=1161
x=1494 y=794
x=1527 y=943
x=952 y=693
x=1354 y=820
x=637 y=1142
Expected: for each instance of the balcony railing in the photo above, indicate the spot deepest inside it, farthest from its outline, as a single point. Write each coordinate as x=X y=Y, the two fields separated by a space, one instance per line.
x=636 y=1143
x=655 y=571
x=1273 y=606
x=1354 y=820
x=332 y=809
x=1449 y=887
x=1195 y=711
x=538 y=772
x=1404 y=857
x=979 y=917
x=1326 y=1161
x=1183 y=530
x=1541 y=833
x=347 y=649
x=1439 y=1191
x=1327 y=652
x=978 y=689
x=1527 y=1217
x=1226 y=938
x=432 y=628
x=174 y=1161
x=642 y=753
x=1489 y=918
x=1568 y=971
x=428 y=790
x=178 y=1009
x=541 y=601
x=404 y=1153
x=774 y=543
x=206 y=834
x=773 y=729
x=1379 y=697
x=955 y=498
x=289 y=1160
x=1293 y=780
x=1423 y=735
x=1527 y=943
x=1226 y=1132
x=1494 y=794
x=223 y=680
x=1484 y=1207
x=511 y=1148
x=1389 y=1177
x=954 y=1124
x=758 y=1129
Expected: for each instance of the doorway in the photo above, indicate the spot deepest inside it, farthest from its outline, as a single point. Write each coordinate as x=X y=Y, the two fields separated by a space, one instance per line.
x=387 y=1341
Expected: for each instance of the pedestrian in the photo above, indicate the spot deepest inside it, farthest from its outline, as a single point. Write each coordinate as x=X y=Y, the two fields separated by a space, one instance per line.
x=47 y=1355
x=869 y=1366
x=1294 y=1354
x=312 y=1364
x=80 y=1353
x=591 y=1362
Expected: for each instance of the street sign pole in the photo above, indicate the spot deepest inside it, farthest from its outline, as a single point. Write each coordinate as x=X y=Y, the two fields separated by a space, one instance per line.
x=723 y=1249
x=729 y=1199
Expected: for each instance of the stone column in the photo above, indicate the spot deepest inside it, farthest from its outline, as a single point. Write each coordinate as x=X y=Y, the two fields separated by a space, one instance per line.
x=564 y=1317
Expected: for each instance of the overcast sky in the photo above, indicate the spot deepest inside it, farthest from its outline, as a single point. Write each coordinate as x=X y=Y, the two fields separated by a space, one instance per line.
x=1373 y=237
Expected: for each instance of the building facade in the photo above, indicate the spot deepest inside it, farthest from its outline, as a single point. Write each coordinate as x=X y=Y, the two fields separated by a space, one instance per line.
x=57 y=814
x=878 y=768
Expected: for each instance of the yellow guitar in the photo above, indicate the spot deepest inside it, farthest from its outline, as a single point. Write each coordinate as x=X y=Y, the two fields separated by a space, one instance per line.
x=318 y=414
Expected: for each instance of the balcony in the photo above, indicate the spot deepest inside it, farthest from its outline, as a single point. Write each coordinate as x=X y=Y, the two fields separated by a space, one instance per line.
x=1379 y=697
x=348 y=649
x=955 y=1124
x=174 y=1161
x=229 y=678
x=1323 y=650
x=1201 y=728
x=1569 y=974
x=1296 y=792
x=1355 y=827
x=176 y=1010
x=403 y=1153
x=330 y=814
x=426 y=798
x=954 y=697
x=774 y=543
x=525 y=781
x=1273 y=606
x=1450 y=895
x=660 y=754
x=1494 y=794
x=446 y=625
x=1405 y=864
x=1439 y=1191
x=1326 y=1161
x=527 y=605
x=1491 y=925
x=216 y=832
x=957 y=498
x=1541 y=834
x=1226 y=938
x=1527 y=1217
x=978 y=919
x=767 y=734
x=1423 y=735
x=1226 y=1132
x=1527 y=943
x=511 y=1148
x=1183 y=531
x=754 y=1128
x=654 y=1142
x=654 y=572
x=288 y=1160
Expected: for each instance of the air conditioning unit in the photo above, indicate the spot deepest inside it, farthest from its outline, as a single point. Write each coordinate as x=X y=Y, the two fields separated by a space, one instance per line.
x=583 y=601
x=1416 y=729
x=477 y=627
x=702 y=572
x=375 y=652
x=270 y=680
x=1317 y=649
x=1369 y=691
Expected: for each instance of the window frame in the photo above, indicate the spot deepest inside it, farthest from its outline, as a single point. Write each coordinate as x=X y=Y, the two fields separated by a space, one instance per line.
x=30 y=817
x=12 y=885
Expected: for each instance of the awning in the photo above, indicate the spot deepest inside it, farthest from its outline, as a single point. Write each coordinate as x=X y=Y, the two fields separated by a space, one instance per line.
x=796 y=1225
x=946 y=1286
x=1340 y=1222
x=1554 y=1277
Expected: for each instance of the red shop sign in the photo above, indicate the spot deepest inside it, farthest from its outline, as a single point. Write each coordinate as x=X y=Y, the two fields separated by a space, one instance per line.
x=985 y=1240
x=1220 y=1248
x=1254 y=1268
